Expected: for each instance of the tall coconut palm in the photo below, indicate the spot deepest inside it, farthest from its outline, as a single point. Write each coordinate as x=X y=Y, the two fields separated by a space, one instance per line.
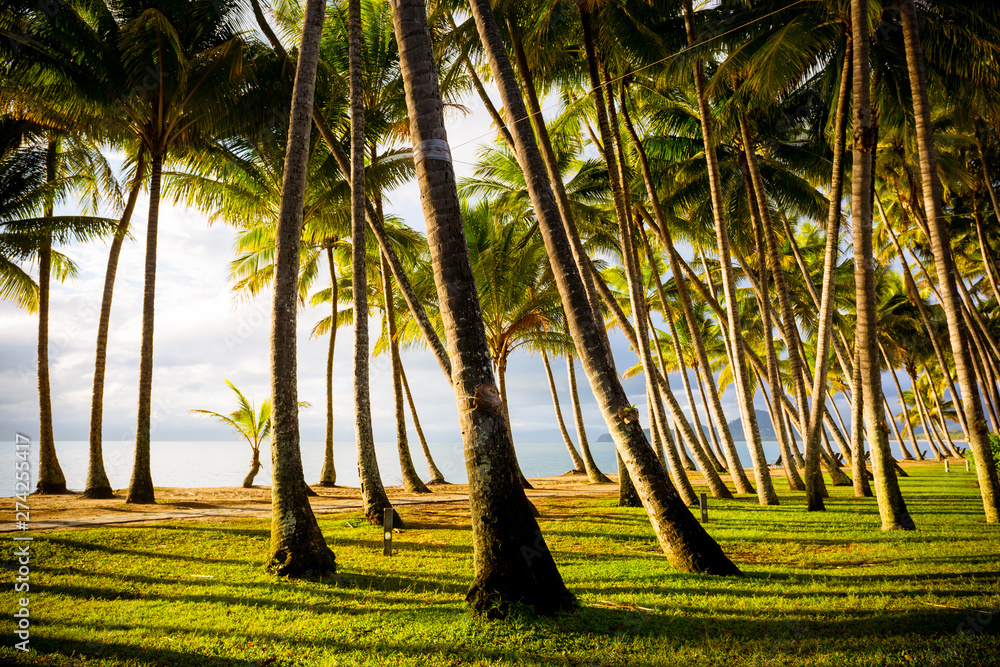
x=683 y=539
x=374 y=499
x=33 y=182
x=989 y=482
x=297 y=545
x=512 y=563
x=892 y=508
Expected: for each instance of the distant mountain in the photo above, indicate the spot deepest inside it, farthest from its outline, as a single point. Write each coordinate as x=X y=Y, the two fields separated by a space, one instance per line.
x=763 y=423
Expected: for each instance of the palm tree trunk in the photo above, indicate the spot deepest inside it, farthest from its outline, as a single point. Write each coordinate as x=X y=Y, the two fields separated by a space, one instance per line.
x=501 y=367
x=742 y=382
x=512 y=562
x=578 y=466
x=989 y=483
x=892 y=508
x=411 y=480
x=297 y=545
x=50 y=474
x=98 y=485
x=254 y=469
x=685 y=542
x=328 y=475
x=555 y=176
x=628 y=496
x=594 y=473
x=140 y=489
x=374 y=500
x=857 y=460
x=436 y=476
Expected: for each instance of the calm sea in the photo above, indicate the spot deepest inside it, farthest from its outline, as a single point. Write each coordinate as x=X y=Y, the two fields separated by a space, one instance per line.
x=200 y=464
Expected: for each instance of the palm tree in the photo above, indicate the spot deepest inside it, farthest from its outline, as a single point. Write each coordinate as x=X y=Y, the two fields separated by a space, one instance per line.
x=989 y=482
x=254 y=425
x=297 y=545
x=34 y=178
x=683 y=539
x=890 y=501
x=374 y=499
x=411 y=481
x=512 y=563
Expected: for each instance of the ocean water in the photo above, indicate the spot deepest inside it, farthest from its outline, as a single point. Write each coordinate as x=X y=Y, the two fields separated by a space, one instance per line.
x=201 y=464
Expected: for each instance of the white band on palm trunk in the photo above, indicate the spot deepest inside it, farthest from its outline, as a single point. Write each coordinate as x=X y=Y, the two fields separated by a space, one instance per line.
x=432 y=149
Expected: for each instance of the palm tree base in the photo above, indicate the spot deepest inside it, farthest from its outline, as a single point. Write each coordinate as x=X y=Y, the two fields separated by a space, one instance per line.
x=99 y=493
x=439 y=481
x=327 y=485
x=311 y=558
x=493 y=601
x=50 y=488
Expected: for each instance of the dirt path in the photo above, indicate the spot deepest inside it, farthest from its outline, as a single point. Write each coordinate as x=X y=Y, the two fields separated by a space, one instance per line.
x=72 y=510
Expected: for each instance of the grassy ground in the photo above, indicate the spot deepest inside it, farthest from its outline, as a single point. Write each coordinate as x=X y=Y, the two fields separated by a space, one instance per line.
x=820 y=589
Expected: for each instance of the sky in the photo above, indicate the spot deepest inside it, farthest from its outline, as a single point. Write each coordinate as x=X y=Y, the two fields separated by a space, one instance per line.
x=204 y=335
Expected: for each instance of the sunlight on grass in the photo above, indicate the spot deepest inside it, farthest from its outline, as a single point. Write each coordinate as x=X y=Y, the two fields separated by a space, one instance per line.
x=822 y=589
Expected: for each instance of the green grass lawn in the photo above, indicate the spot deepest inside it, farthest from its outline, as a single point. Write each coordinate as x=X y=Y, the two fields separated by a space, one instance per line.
x=820 y=589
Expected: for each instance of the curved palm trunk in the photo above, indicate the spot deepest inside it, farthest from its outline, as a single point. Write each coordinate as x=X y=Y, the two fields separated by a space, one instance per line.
x=892 y=508
x=683 y=539
x=512 y=563
x=563 y=203
x=328 y=475
x=254 y=469
x=98 y=485
x=411 y=480
x=742 y=384
x=594 y=473
x=374 y=500
x=437 y=477
x=578 y=466
x=989 y=483
x=297 y=545
x=140 y=488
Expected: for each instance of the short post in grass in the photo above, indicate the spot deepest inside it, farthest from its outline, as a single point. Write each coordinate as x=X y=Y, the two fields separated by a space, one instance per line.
x=703 y=504
x=946 y=467
x=967 y=465
x=387 y=538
